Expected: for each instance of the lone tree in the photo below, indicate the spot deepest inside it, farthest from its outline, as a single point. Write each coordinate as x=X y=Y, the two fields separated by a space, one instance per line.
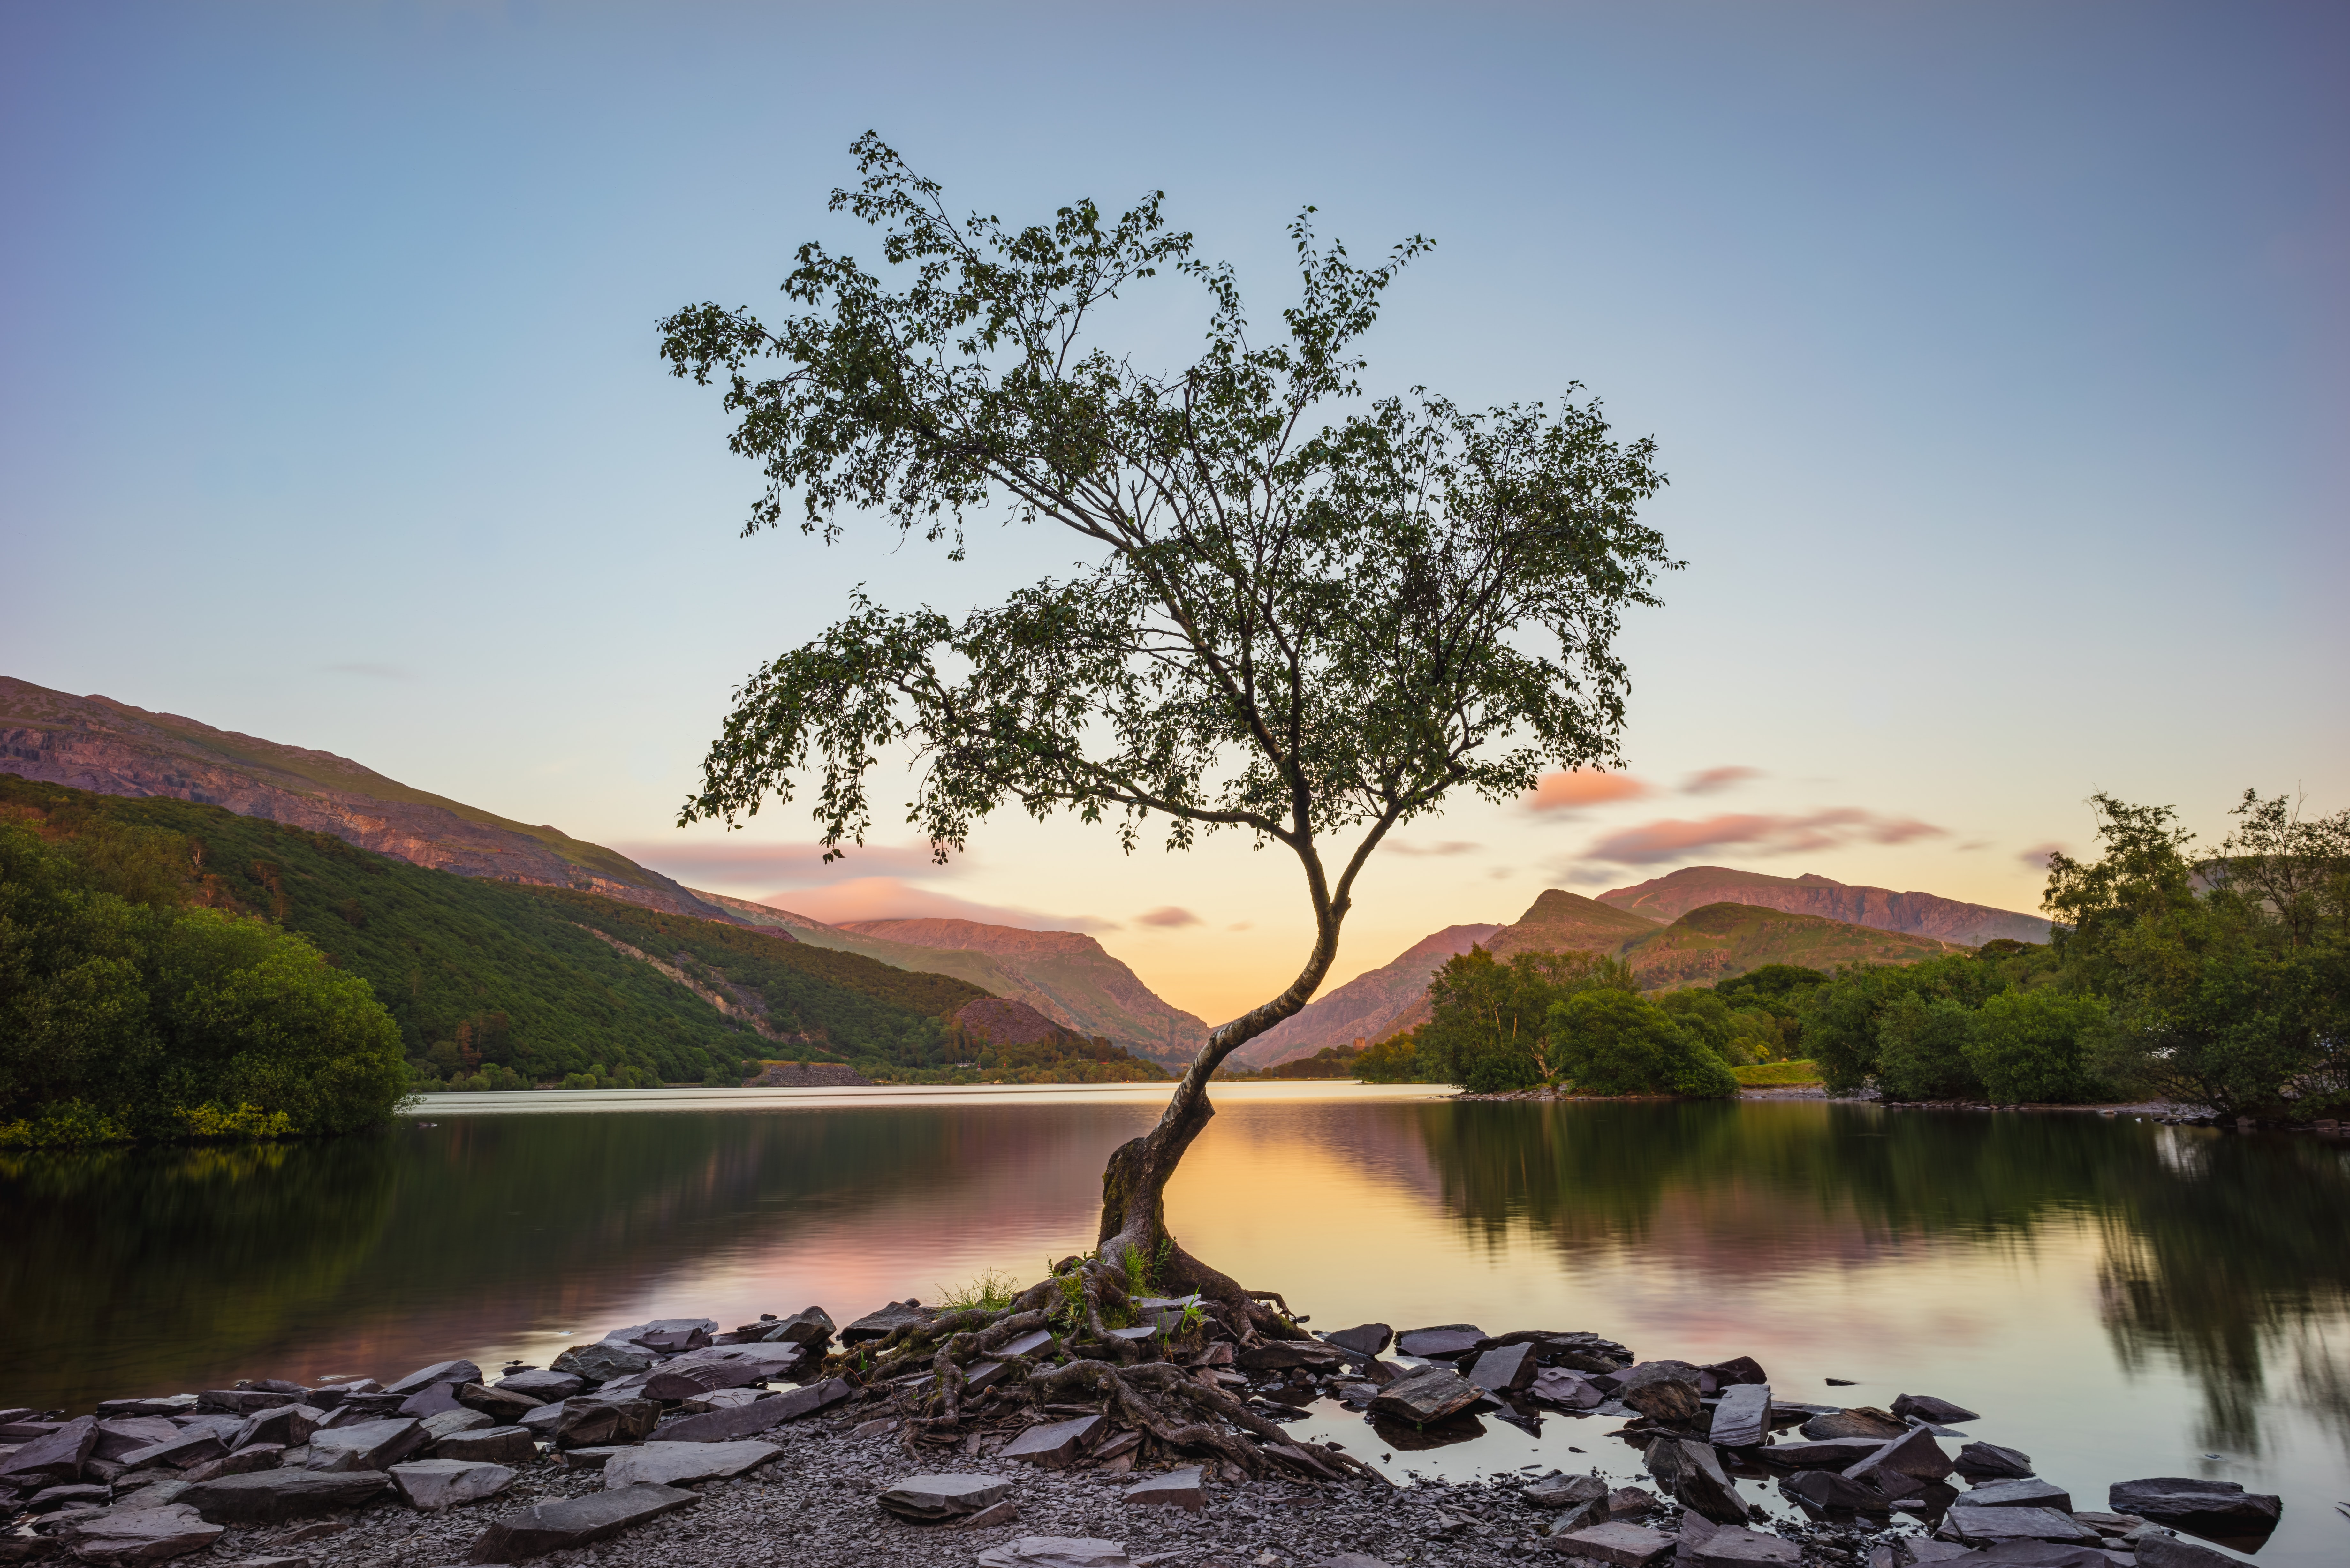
x=1295 y=612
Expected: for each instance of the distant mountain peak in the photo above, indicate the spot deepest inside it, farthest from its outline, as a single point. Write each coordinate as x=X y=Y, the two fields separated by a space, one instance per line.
x=1673 y=895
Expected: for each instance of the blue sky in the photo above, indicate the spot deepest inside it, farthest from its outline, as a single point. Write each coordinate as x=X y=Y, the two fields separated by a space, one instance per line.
x=1997 y=353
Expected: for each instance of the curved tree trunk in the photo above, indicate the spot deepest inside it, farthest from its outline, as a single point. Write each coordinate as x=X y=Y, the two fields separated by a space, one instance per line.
x=1134 y=1185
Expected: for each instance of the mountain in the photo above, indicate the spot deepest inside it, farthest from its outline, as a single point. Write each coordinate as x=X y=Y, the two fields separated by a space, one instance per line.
x=1563 y=923
x=1062 y=975
x=1716 y=940
x=1919 y=914
x=1366 y=1007
x=98 y=744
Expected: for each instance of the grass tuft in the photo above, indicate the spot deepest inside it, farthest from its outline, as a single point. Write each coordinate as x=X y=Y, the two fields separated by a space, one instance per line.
x=991 y=1291
x=1777 y=1075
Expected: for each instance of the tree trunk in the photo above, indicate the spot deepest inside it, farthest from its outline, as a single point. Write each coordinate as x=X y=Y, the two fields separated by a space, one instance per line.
x=1134 y=1184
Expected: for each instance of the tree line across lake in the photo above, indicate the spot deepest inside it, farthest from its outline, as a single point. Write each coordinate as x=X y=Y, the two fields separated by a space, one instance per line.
x=2215 y=980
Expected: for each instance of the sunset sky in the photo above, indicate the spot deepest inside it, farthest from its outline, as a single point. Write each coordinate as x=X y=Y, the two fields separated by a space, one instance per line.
x=1998 y=355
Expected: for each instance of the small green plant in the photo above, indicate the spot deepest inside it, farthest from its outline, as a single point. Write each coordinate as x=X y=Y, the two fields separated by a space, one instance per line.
x=991 y=1291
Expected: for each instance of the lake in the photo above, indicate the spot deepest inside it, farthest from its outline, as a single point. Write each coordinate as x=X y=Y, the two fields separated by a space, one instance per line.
x=2118 y=1299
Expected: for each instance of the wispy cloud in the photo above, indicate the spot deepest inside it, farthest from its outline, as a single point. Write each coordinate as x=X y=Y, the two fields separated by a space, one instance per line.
x=1581 y=787
x=372 y=672
x=1713 y=780
x=1167 y=917
x=892 y=898
x=724 y=863
x=1679 y=838
x=2037 y=855
x=1450 y=846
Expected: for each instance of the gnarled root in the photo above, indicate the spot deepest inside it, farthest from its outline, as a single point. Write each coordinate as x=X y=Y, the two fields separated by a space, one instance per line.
x=1165 y=1402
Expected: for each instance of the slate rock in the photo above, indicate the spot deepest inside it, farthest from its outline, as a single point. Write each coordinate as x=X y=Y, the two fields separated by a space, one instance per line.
x=1430 y=1395
x=430 y=1400
x=1560 y=1490
x=366 y=1445
x=424 y=1377
x=1830 y=1453
x=244 y=1401
x=542 y=1384
x=1926 y=1408
x=1992 y=1462
x=1661 y=1390
x=75 y=1494
x=268 y=1497
x=2169 y=1552
x=433 y=1485
x=1989 y=1526
x=244 y=1461
x=1733 y=1547
x=501 y=1405
x=881 y=1323
x=542 y=1422
x=744 y=1420
x=585 y=1423
x=1282 y=1354
x=184 y=1451
x=1054 y=1445
x=1028 y=1343
x=118 y=1436
x=1908 y=1550
x=1443 y=1342
x=288 y=1426
x=602 y=1361
x=1505 y=1370
x=1623 y=1545
x=449 y=1423
x=1365 y=1339
x=1181 y=1488
x=1743 y=1418
x=1738 y=1369
x=575 y=1521
x=489 y=1446
x=1056 y=1552
x=142 y=1535
x=1826 y=1489
x=53 y=1456
x=684 y=1464
x=668 y=1335
x=1629 y=1501
x=2205 y=1507
x=1568 y=1390
x=1913 y=1457
x=1692 y=1472
x=930 y=1498
x=2029 y=1493
x=809 y=1325
x=1862 y=1421
x=172 y=1405
x=993 y=1514
x=2034 y=1554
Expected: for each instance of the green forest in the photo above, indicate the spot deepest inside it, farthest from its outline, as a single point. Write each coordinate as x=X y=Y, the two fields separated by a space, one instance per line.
x=2216 y=978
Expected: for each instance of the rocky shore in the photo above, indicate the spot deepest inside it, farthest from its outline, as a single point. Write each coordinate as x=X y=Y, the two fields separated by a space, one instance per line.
x=673 y=1445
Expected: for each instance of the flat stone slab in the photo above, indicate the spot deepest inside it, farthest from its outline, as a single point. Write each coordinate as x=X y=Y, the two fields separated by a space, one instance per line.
x=1431 y=1394
x=1625 y=1545
x=1507 y=1369
x=1913 y=1457
x=1028 y=1343
x=1558 y=1491
x=879 y=1323
x=1733 y=1547
x=2169 y=1552
x=183 y=1450
x=1661 y=1390
x=53 y=1456
x=684 y=1464
x=542 y=1384
x=601 y=1362
x=1054 y=1445
x=1990 y=1460
x=1926 y=1408
x=1441 y=1343
x=935 y=1497
x=1743 y=1418
x=2205 y=1507
x=142 y=1535
x=269 y=1496
x=747 y=1420
x=1180 y=1487
x=1568 y=1390
x=585 y=1423
x=1990 y=1526
x=489 y=1445
x=1827 y=1453
x=575 y=1521
x=1692 y=1472
x=2030 y=1492
x=1862 y=1421
x=424 y=1377
x=1056 y=1552
x=366 y=1445
x=435 y=1484
x=1364 y=1339
x=1281 y=1354
x=1827 y=1489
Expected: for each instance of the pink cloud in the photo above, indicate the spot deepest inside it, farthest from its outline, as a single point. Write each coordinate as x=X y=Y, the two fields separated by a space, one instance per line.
x=2037 y=855
x=1450 y=846
x=1715 y=780
x=1170 y=917
x=1677 y=838
x=1581 y=787
x=892 y=898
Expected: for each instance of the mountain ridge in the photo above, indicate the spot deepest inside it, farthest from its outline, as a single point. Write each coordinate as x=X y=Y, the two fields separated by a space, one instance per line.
x=1918 y=914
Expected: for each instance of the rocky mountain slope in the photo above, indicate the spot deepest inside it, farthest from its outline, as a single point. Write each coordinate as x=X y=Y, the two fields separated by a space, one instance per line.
x=107 y=747
x=1366 y=1006
x=1720 y=940
x=1064 y=975
x=1671 y=897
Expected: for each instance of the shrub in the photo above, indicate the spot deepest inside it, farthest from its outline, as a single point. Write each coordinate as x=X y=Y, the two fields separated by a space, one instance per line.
x=2035 y=1045
x=1610 y=1042
x=1922 y=1050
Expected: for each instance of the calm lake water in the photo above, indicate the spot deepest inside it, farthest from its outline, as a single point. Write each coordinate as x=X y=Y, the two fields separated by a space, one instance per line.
x=2118 y=1299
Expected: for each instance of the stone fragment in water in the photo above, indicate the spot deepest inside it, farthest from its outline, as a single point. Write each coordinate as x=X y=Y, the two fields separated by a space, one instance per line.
x=500 y=1404
x=2029 y=1493
x=1988 y=1461
x=424 y=1377
x=1281 y=1354
x=744 y=1420
x=53 y=1456
x=1826 y=1489
x=433 y=1485
x=1561 y=1491
x=1568 y=1390
x=930 y=1498
x=1443 y=1342
x=1736 y=1370
x=1990 y=1526
x=1913 y=1457
x=365 y=1446
x=1743 y=1418
x=1862 y=1421
x=809 y=1325
x=1056 y=1552
x=1692 y=1472
x=542 y=1385
x=1629 y=1501
x=2169 y=1552
x=2205 y=1507
x=1180 y=1487
x=1364 y=1339
x=1054 y=1445
x=1505 y=1370
x=1428 y=1395
x=685 y=1464
x=142 y=1535
x=1830 y=1453
x=1661 y=1390
x=489 y=1445
x=881 y=1323
x=267 y=1497
x=1926 y=1408
x=575 y=1521
x=1705 y=1544
x=1624 y=1545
